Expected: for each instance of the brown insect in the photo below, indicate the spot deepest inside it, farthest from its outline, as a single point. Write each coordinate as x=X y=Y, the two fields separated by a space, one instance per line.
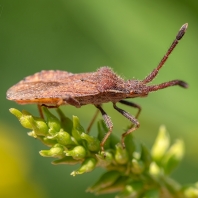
x=55 y=88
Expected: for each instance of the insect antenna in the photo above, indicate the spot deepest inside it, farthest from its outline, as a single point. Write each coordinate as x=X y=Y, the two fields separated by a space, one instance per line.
x=179 y=36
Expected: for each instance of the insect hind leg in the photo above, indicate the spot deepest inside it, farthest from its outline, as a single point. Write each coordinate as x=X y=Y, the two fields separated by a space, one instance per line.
x=44 y=105
x=108 y=123
x=131 y=104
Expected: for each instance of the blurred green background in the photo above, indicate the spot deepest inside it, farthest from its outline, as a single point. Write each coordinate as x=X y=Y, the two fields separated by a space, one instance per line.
x=81 y=36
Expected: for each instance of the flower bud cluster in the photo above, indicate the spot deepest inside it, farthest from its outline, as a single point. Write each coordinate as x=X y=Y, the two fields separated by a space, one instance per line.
x=131 y=172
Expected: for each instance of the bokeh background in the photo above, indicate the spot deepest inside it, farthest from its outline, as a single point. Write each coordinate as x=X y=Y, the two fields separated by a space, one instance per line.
x=80 y=36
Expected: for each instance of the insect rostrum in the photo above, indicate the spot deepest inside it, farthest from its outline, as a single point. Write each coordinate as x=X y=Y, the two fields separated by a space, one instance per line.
x=55 y=88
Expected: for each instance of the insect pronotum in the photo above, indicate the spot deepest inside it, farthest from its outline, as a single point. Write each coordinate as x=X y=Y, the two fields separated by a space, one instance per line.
x=55 y=88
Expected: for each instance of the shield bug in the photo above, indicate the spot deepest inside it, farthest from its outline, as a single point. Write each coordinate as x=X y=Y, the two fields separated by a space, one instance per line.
x=55 y=88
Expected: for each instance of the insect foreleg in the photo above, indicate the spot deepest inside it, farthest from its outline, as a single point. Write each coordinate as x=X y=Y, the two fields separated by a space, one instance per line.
x=131 y=118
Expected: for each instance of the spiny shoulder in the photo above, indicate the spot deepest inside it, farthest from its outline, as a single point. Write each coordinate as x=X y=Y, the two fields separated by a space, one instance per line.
x=108 y=79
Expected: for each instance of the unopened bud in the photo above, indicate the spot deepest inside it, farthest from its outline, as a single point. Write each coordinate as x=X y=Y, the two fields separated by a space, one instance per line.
x=87 y=166
x=46 y=140
x=77 y=152
x=77 y=129
x=38 y=125
x=160 y=145
x=52 y=122
x=121 y=155
x=131 y=190
x=64 y=138
x=55 y=151
x=137 y=166
x=105 y=161
x=23 y=119
x=93 y=143
x=173 y=156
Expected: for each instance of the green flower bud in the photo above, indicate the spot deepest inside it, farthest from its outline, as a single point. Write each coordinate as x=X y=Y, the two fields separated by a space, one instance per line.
x=77 y=152
x=93 y=144
x=102 y=130
x=56 y=151
x=32 y=134
x=173 y=156
x=87 y=166
x=121 y=155
x=161 y=144
x=66 y=160
x=66 y=123
x=23 y=119
x=45 y=140
x=107 y=179
x=64 y=138
x=190 y=191
x=137 y=166
x=105 y=161
x=52 y=122
x=38 y=125
x=77 y=129
x=131 y=190
x=154 y=169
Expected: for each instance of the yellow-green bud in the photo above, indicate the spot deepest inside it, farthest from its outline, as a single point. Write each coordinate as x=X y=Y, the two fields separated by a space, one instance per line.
x=93 y=144
x=87 y=166
x=23 y=119
x=52 y=122
x=64 y=138
x=105 y=161
x=77 y=152
x=173 y=156
x=56 y=151
x=48 y=142
x=77 y=129
x=131 y=190
x=121 y=155
x=38 y=125
x=137 y=166
x=160 y=145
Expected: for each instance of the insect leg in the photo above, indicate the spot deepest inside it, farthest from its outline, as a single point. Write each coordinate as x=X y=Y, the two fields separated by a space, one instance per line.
x=40 y=110
x=108 y=123
x=72 y=101
x=167 y=84
x=92 y=121
x=48 y=106
x=131 y=118
x=131 y=104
